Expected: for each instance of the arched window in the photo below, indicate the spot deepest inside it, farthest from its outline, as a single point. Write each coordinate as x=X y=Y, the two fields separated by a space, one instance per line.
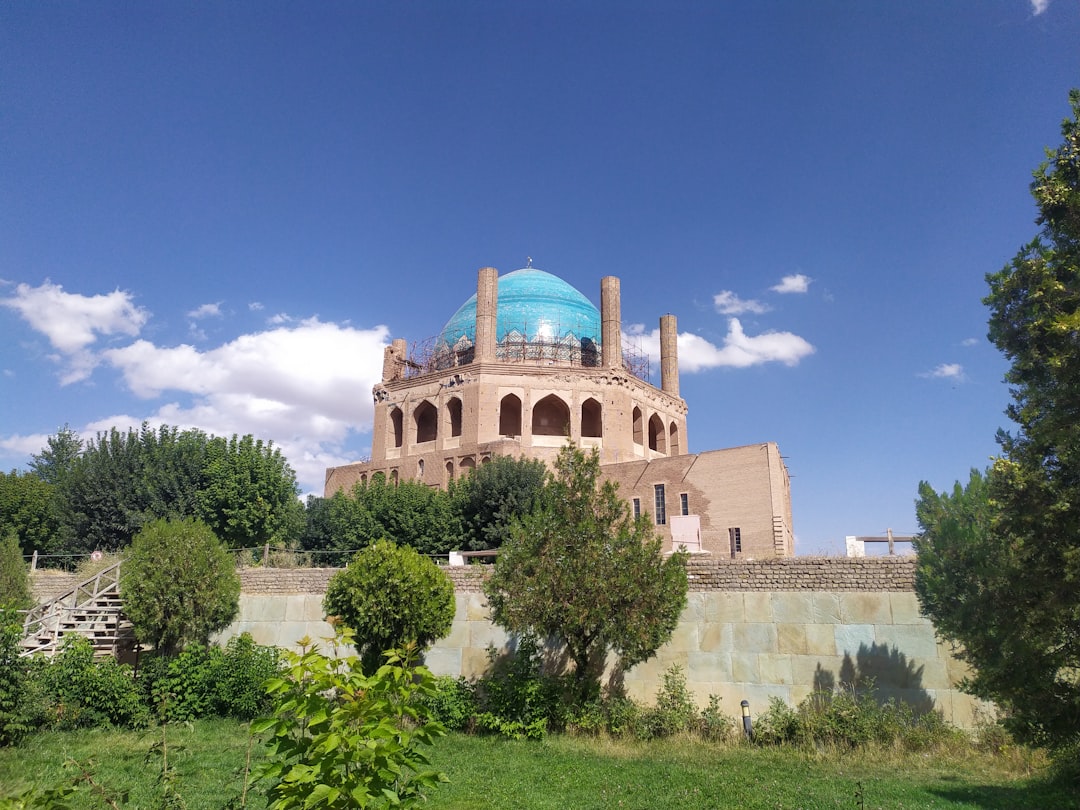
x=592 y=421
x=449 y=471
x=453 y=410
x=468 y=463
x=426 y=419
x=510 y=416
x=673 y=440
x=657 y=434
x=639 y=427
x=485 y=460
x=393 y=477
x=550 y=417
x=420 y=468
x=397 y=428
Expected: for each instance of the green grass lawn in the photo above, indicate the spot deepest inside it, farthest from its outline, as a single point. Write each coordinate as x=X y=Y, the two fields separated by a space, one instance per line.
x=565 y=773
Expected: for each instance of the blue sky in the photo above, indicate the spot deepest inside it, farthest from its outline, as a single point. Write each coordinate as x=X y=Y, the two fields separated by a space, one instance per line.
x=216 y=214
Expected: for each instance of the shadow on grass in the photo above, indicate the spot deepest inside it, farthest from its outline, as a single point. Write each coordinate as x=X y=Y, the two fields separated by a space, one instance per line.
x=1036 y=794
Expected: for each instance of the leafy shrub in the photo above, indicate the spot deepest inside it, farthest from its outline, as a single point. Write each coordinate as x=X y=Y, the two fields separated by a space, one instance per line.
x=179 y=585
x=342 y=739
x=452 y=702
x=14 y=575
x=390 y=596
x=674 y=711
x=516 y=698
x=851 y=718
x=211 y=681
x=713 y=724
x=14 y=723
x=79 y=691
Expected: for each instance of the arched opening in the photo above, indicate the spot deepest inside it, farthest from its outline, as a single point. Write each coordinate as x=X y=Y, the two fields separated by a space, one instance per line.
x=639 y=427
x=397 y=426
x=449 y=471
x=673 y=440
x=453 y=410
x=468 y=463
x=657 y=434
x=485 y=460
x=393 y=477
x=550 y=417
x=363 y=479
x=592 y=419
x=510 y=416
x=420 y=469
x=426 y=419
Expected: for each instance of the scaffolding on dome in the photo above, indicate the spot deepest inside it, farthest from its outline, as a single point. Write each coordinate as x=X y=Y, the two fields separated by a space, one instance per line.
x=432 y=355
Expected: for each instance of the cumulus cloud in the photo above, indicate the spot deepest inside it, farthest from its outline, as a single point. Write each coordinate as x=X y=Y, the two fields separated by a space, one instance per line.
x=307 y=387
x=73 y=322
x=738 y=350
x=1039 y=6
x=945 y=371
x=728 y=303
x=797 y=283
x=206 y=311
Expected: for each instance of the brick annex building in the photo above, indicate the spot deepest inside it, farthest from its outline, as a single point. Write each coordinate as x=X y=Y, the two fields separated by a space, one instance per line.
x=528 y=361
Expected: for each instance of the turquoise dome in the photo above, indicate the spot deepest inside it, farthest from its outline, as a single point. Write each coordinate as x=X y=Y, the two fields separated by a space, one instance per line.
x=536 y=309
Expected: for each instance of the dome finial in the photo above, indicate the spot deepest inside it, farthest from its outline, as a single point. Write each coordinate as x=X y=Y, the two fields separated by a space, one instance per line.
x=528 y=261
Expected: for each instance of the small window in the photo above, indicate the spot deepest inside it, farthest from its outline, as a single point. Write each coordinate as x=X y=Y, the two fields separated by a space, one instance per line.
x=735 y=536
x=637 y=507
x=661 y=506
x=684 y=503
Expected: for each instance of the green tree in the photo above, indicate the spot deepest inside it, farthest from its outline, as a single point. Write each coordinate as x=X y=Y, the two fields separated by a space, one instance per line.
x=999 y=564
x=390 y=596
x=179 y=584
x=249 y=494
x=581 y=569
x=58 y=456
x=28 y=508
x=493 y=495
x=242 y=488
x=408 y=513
x=14 y=575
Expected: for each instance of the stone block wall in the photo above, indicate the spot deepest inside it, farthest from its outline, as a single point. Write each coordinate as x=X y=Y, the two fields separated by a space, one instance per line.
x=751 y=630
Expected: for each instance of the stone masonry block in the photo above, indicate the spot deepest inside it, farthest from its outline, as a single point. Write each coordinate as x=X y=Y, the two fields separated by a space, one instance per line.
x=826 y=609
x=791 y=639
x=716 y=637
x=775 y=668
x=684 y=639
x=695 y=607
x=792 y=607
x=476 y=609
x=911 y=640
x=269 y=609
x=303 y=607
x=724 y=606
x=457 y=637
x=708 y=667
x=905 y=609
x=820 y=639
x=816 y=671
x=484 y=634
x=759 y=637
x=865 y=608
x=850 y=637
x=744 y=668
x=758 y=606
x=444 y=661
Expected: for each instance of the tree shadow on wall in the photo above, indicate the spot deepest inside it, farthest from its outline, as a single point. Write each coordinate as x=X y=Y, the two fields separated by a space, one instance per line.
x=879 y=671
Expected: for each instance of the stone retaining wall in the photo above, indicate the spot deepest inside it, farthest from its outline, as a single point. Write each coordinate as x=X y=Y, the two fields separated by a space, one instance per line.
x=751 y=630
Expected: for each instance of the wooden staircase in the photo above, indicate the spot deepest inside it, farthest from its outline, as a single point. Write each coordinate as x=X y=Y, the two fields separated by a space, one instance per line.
x=92 y=609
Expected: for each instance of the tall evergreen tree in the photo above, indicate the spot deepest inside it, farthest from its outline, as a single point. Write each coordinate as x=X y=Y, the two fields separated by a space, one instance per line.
x=999 y=564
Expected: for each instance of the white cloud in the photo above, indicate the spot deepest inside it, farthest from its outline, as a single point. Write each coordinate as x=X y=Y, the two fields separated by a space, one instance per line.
x=797 y=283
x=72 y=322
x=1039 y=6
x=969 y=342
x=308 y=387
x=279 y=319
x=728 y=303
x=206 y=311
x=945 y=371
x=739 y=350
x=255 y=306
